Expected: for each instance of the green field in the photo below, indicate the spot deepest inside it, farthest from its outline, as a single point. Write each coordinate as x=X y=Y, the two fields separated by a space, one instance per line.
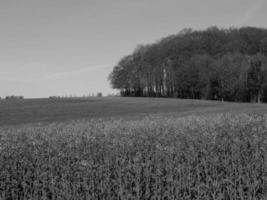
x=132 y=149
x=14 y=112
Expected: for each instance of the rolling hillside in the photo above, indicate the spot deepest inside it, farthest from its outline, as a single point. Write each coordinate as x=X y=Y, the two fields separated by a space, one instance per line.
x=47 y=110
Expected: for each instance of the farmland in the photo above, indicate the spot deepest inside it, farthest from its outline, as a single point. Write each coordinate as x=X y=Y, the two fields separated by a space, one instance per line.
x=15 y=112
x=132 y=148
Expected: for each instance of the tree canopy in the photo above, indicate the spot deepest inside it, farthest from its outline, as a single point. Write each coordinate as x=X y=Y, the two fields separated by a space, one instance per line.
x=218 y=64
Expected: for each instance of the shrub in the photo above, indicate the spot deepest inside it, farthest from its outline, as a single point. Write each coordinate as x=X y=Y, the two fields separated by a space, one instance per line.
x=12 y=97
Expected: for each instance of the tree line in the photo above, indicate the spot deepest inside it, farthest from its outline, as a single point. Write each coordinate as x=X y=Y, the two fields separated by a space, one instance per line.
x=215 y=64
x=13 y=97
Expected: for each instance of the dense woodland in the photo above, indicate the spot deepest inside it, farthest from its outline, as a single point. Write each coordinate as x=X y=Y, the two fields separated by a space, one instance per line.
x=218 y=64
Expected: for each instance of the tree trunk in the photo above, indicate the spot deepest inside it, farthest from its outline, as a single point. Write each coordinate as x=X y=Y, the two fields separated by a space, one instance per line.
x=259 y=98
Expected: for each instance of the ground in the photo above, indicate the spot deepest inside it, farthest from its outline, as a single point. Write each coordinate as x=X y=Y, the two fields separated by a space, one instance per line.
x=132 y=148
x=15 y=112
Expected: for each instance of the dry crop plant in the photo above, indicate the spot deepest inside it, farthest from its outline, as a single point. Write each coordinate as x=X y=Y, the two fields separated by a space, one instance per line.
x=213 y=157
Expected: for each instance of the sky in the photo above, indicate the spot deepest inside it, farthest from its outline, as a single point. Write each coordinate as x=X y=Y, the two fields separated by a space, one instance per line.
x=69 y=47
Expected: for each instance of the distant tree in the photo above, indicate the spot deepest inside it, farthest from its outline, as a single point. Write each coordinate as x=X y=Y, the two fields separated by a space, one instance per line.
x=99 y=94
x=231 y=71
x=263 y=46
x=211 y=64
x=13 y=97
x=256 y=77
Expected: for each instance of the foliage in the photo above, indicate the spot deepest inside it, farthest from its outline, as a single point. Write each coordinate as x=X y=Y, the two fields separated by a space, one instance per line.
x=99 y=94
x=209 y=64
x=220 y=156
x=13 y=97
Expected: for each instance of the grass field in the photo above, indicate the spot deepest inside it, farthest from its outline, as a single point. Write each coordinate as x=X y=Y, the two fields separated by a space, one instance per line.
x=132 y=149
x=46 y=110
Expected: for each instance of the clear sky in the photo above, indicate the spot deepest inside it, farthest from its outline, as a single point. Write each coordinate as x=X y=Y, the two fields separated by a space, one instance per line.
x=68 y=47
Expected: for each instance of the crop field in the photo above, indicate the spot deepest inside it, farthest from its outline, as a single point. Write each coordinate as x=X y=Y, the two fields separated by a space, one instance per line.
x=132 y=148
x=16 y=112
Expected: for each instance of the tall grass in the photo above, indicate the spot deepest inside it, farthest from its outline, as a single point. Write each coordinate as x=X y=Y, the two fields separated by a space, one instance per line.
x=213 y=157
